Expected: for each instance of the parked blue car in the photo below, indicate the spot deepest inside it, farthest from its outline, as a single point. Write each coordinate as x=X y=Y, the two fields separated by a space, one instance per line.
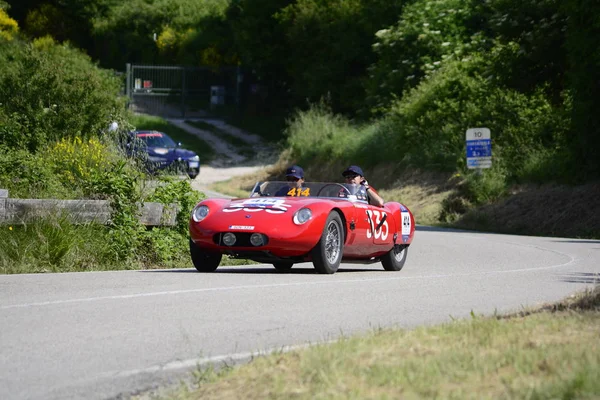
x=162 y=152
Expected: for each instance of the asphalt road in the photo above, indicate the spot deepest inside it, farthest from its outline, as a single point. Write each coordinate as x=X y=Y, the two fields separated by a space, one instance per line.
x=100 y=335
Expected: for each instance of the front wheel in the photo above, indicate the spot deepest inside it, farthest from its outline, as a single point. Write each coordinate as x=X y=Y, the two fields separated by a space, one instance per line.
x=327 y=254
x=394 y=259
x=203 y=260
x=193 y=173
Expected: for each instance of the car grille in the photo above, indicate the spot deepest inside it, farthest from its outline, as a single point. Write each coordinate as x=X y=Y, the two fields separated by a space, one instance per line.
x=242 y=239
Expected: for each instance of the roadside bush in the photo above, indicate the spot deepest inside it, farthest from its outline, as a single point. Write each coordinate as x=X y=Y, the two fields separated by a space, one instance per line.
x=318 y=134
x=51 y=91
x=427 y=127
x=76 y=161
x=27 y=175
x=8 y=26
x=428 y=34
x=181 y=193
x=52 y=245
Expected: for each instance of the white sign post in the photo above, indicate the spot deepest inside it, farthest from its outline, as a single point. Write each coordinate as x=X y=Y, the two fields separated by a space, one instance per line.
x=479 y=148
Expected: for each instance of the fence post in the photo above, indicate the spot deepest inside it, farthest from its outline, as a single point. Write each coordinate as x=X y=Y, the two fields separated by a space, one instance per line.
x=183 y=105
x=128 y=81
x=3 y=197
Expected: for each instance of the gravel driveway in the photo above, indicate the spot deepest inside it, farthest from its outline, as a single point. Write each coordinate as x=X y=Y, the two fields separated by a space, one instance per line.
x=228 y=163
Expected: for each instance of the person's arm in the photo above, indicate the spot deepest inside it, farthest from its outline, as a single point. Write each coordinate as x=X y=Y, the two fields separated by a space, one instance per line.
x=372 y=194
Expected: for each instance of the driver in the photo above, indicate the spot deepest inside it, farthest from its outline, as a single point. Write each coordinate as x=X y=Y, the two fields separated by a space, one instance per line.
x=295 y=178
x=354 y=175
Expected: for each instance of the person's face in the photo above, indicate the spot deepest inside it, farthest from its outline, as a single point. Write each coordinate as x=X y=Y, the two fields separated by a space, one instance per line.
x=353 y=178
x=294 y=182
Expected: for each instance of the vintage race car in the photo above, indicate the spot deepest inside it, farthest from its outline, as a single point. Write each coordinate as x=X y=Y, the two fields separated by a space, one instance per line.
x=326 y=223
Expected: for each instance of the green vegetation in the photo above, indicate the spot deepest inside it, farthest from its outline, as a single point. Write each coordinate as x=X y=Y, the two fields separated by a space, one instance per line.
x=551 y=352
x=55 y=143
x=240 y=145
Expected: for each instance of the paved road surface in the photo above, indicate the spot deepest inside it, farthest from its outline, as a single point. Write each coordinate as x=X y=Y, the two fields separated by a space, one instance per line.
x=105 y=334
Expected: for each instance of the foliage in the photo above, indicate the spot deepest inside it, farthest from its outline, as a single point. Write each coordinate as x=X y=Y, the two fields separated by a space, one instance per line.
x=584 y=80
x=8 y=26
x=52 y=92
x=127 y=34
x=179 y=192
x=52 y=245
x=319 y=135
x=427 y=34
x=534 y=33
x=426 y=128
x=75 y=161
x=120 y=186
x=26 y=175
x=328 y=47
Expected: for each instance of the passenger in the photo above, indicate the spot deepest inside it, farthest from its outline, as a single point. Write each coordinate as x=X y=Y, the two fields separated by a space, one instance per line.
x=295 y=178
x=354 y=175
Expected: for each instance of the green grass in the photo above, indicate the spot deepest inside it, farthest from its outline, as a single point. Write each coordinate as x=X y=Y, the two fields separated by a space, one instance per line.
x=553 y=352
x=270 y=128
x=240 y=145
x=188 y=141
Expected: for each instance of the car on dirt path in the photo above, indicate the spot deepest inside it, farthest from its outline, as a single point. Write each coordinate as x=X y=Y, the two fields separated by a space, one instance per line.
x=163 y=153
x=326 y=223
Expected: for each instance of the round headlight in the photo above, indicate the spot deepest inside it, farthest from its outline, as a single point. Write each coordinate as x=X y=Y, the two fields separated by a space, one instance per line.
x=257 y=239
x=302 y=215
x=228 y=239
x=200 y=213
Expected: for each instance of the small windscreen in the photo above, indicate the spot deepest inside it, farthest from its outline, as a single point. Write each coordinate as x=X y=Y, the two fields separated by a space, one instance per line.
x=309 y=189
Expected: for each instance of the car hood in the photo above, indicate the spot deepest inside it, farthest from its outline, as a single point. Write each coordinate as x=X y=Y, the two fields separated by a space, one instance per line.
x=170 y=152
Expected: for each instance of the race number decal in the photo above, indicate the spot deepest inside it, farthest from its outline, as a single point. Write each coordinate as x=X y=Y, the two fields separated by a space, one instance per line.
x=375 y=217
x=271 y=206
x=297 y=192
x=406 y=223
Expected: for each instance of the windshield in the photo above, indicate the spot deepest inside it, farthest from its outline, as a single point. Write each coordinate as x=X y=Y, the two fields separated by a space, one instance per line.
x=156 y=139
x=309 y=189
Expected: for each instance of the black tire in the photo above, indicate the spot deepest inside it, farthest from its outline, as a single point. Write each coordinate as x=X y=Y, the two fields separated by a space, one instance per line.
x=327 y=254
x=394 y=259
x=204 y=261
x=283 y=266
x=193 y=173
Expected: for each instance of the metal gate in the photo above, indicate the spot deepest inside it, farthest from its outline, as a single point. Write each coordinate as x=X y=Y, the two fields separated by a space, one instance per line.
x=183 y=92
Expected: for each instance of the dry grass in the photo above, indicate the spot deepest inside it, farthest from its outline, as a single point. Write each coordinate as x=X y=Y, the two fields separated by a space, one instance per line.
x=551 y=352
x=548 y=210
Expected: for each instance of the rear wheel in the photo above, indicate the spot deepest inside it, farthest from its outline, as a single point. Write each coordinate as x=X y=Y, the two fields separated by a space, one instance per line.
x=283 y=266
x=203 y=260
x=327 y=254
x=394 y=259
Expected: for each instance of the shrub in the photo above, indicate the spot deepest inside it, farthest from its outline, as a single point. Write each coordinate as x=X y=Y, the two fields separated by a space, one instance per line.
x=427 y=127
x=51 y=244
x=76 y=161
x=179 y=192
x=27 y=175
x=52 y=91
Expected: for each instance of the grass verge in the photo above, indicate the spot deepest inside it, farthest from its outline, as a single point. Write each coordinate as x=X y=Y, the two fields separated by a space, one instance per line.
x=549 y=352
x=240 y=146
x=188 y=141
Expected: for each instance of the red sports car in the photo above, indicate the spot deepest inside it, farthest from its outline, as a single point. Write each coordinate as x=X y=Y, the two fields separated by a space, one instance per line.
x=326 y=223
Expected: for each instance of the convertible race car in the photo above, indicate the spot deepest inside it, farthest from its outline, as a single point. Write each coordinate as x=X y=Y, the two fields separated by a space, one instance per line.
x=326 y=223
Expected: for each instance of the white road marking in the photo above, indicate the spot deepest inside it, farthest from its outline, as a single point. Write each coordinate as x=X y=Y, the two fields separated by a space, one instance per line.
x=276 y=285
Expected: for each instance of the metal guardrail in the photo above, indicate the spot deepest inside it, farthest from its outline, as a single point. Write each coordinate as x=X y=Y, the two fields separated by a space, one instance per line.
x=20 y=211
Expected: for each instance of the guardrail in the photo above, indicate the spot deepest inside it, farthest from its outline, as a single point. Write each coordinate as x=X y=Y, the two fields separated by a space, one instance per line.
x=20 y=211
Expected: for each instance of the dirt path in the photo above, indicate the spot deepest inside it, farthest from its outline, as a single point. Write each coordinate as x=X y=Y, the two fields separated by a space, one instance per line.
x=227 y=163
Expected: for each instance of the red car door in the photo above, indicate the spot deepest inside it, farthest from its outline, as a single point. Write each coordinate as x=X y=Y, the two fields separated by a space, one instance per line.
x=380 y=220
x=359 y=241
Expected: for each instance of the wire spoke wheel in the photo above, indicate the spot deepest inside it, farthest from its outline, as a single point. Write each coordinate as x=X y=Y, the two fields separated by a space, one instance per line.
x=327 y=254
